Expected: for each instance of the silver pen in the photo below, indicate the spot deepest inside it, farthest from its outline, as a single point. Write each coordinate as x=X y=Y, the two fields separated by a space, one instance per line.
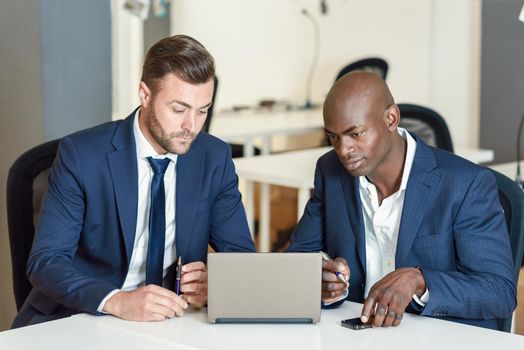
x=339 y=275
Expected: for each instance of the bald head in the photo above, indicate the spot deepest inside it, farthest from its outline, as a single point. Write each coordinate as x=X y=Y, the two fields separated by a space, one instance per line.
x=362 y=92
x=361 y=120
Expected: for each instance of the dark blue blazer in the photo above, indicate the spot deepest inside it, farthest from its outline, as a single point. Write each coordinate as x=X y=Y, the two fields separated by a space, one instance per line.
x=86 y=232
x=452 y=226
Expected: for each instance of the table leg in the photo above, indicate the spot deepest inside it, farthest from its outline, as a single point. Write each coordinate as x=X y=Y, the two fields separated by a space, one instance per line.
x=265 y=218
x=249 y=150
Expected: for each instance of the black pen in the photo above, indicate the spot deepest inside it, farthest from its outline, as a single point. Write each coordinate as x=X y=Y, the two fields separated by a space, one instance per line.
x=178 y=273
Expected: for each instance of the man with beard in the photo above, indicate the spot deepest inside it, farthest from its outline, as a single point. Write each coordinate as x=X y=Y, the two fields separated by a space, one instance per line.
x=410 y=226
x=128 y=198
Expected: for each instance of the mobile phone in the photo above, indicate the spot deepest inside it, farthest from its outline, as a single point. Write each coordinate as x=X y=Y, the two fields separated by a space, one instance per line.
x=356 y=324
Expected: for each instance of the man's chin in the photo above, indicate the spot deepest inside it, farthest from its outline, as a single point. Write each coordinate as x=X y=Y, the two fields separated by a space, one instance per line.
x=180 y=147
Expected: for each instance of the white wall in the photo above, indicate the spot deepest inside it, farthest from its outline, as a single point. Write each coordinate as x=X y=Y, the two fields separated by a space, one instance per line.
x=127 y=58
x=263 y=49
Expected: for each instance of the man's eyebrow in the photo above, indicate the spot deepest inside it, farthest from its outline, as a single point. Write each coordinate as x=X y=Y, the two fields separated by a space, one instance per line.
x=350 y=129
x=182 y=103
x=187 y=105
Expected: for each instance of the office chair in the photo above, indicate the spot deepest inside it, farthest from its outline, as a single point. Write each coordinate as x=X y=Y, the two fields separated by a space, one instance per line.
x=26 y=185
x=371 y=64
x=511 y=199
x=427 y=124
x=237 y=150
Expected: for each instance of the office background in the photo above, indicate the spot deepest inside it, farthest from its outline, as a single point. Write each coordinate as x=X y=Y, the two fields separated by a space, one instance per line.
x=69 y=64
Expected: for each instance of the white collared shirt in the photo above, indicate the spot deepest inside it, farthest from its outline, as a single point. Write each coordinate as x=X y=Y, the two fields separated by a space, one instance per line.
x=382 y=222
x=136 y=274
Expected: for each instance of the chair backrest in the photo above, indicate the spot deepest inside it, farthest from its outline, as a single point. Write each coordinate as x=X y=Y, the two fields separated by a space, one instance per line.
x=370 y=64
x=26 y=185
x=512 y=201
x=207 y=123
x=427 y=124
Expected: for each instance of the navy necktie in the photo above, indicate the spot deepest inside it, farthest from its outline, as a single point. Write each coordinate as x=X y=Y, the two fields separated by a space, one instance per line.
x=157 y=223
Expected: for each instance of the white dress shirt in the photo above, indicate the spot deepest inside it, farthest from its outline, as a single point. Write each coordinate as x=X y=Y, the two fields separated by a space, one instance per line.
x=382 y=222
x=136 y=274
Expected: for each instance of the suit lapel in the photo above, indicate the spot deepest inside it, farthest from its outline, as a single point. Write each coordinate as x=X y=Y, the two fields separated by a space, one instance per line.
x=421 y=188
x=123 y=168
x=354 y=208
x=189 y=173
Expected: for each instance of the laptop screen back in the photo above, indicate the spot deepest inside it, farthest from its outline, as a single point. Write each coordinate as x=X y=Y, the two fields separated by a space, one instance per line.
x=264 y=287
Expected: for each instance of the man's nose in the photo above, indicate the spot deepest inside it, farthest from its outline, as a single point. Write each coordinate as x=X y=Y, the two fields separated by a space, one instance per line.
x=189 y=122
x=345 y=146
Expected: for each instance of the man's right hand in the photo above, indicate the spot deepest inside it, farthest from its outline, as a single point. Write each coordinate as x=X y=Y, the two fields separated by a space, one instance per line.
x=332 y=287
x=147 y=303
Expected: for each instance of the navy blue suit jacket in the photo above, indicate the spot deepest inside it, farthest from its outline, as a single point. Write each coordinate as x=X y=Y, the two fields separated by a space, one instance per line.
x=86 y=232
x=452 y=226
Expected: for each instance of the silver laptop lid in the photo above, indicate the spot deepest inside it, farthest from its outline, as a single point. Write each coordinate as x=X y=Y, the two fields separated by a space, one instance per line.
x=264 y=287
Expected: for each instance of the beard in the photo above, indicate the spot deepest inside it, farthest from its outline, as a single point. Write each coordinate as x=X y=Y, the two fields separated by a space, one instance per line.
x=169 y=141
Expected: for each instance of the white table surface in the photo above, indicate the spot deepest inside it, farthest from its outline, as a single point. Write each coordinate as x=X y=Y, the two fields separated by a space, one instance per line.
x=297 y=169
x=193 y=332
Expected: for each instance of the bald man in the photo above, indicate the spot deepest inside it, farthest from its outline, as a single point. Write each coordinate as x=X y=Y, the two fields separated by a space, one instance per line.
x=411 y=227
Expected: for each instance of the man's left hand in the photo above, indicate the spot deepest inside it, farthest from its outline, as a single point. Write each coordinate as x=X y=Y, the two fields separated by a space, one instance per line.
x=193 y=284
x=388 y=298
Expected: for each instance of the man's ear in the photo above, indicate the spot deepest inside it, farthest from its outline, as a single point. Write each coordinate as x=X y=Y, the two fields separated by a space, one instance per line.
x=145 y=94
x=393 y=117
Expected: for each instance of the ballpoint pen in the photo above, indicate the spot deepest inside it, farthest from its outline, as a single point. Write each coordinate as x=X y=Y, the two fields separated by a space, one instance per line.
x=178 y=273
x=339 y=275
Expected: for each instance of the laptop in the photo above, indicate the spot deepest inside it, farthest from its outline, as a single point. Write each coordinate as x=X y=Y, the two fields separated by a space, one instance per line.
x=264 y=287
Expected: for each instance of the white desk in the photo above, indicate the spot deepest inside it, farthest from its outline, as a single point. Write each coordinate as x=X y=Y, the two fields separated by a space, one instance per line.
x=247 y=126
x=85 y=332
x=509 y=169
x=296 y=169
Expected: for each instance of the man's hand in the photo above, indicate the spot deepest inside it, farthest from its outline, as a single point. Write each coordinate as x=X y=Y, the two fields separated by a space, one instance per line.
x=388 y=298
x=193 y=284
x=147 y=303
x=332 y=287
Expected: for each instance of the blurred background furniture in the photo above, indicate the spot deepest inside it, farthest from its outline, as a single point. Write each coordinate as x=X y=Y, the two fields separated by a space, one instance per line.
x=427 y=124
x=237 y=150
x=512 y=201
x=26 y=185
x=370 y=64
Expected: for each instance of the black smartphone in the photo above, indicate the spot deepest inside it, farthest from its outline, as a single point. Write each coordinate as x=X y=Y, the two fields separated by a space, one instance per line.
x=356 y=323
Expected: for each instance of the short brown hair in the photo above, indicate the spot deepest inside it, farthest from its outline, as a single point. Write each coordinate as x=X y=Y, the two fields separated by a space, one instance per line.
x=179 y=54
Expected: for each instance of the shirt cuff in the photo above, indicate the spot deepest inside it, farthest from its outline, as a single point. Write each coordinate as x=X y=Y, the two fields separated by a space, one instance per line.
x=423 y=300
x=103 y=302
x=342 y=297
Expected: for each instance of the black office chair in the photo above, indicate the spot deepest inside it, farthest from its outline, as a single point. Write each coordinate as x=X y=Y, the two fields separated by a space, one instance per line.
x=237 y=150
x=26 y=185
x=427 y=124
x=511 y=199
x=371 y=64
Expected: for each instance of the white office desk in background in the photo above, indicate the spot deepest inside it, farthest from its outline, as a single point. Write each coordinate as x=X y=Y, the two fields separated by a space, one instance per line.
x=248 y=127
x=86 y=332
x=296 y=169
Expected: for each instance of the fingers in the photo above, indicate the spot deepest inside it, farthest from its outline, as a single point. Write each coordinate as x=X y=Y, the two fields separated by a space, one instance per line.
x=368 y=309
x=345 y=267
x=194 y=276
x=194 y=284
x=148 y=303
x=163 y=301
x=384 y=306
x=337 y=265
x=196 y=301
x=194 y=266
